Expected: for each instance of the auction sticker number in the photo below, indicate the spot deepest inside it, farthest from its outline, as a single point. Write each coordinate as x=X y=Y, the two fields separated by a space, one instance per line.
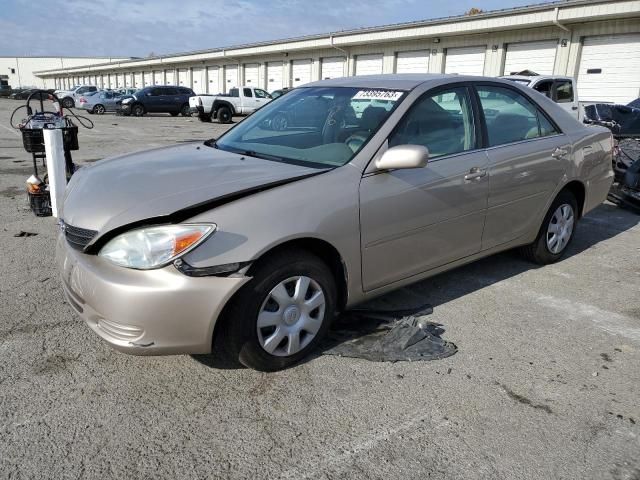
x=378 y=95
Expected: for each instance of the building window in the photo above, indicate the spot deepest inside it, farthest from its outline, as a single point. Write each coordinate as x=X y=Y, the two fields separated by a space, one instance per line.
x=13 y=71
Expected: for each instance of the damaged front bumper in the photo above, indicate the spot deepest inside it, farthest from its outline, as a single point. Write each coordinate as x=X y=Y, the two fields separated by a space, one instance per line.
x=144 y=312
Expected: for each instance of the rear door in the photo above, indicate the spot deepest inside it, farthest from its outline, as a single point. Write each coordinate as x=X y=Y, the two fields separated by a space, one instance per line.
x=528 y=156
x=415 y=220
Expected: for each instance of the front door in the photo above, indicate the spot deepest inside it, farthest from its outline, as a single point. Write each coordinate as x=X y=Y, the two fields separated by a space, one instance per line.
x=415 y=220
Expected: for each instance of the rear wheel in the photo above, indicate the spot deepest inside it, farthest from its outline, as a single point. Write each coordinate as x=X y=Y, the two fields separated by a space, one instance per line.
x=68 y=102
x=224 y=115
x=556 y=231
x=184 y=110
x=205 y=118
x=99 y=109
x=137 y=110
x=174 y=114
x=282 y=314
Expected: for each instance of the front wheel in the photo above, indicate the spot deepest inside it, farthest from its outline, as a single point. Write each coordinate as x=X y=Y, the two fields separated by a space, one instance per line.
x=224 y=115
x=137 y=110
x=556 y=231
x=281 y=314
x=68 y=102
x=99 y=109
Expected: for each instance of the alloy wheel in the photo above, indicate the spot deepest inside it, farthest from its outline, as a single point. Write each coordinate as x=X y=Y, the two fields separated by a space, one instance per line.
x=291 y=316
x=560 y=228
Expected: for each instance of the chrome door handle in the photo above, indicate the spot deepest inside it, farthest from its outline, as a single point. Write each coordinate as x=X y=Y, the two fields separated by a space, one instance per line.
x=559 y=153
x=475 y=173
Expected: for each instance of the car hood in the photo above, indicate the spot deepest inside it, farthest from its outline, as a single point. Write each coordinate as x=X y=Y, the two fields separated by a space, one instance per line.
x=166 y=184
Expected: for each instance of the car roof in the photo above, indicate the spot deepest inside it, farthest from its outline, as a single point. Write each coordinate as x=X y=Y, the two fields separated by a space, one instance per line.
x=399 y=81
x=535 y=77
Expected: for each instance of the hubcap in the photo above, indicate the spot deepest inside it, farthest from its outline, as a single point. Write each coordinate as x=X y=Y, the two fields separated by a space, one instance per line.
x=290 y=316
x=560 y=229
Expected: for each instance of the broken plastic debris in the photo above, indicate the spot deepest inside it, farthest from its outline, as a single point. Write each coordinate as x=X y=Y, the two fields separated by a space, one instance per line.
x=382 y=335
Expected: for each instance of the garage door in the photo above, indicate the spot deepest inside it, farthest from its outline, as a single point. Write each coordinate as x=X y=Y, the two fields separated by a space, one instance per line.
x=412 y=62
x=183 y=77
x=120 y=80
x=274 y=76
x=148 y=79
x=157 y=77
x=199 y=85
x=610 y=69
x=230 y=77
x=252 y=75
x=128 y=78
x=170 y=77
x=332 y=68
x=137 y=77
x=300 y=72
x=214 y=82
x=539 y=57
x=113 y=82
x=369 y=64
x=465 y=61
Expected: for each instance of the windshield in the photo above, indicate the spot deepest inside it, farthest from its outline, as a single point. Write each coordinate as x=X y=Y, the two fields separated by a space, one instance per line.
x=319 y=127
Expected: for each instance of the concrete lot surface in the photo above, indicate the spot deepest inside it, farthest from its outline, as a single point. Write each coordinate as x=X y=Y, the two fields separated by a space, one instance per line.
x=545 y=384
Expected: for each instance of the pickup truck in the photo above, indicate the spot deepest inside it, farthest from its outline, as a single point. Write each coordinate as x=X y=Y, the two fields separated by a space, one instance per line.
x=560 y=89
x=68 y=97
x=239 y=101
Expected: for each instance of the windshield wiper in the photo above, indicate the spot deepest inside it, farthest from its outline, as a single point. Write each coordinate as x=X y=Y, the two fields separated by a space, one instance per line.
x=263 y=156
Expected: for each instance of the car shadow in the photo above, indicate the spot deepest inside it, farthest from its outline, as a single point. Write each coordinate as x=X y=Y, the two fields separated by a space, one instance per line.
x=605 y=222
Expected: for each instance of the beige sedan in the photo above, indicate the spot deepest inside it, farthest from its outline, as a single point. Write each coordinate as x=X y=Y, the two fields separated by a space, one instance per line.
x=253 y=242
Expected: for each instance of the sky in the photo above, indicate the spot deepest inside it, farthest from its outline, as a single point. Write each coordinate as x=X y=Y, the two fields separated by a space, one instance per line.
x=139 y=28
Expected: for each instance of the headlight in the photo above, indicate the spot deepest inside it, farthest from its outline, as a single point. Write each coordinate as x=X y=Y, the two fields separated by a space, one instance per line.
x=154 y=247
x=127 y=100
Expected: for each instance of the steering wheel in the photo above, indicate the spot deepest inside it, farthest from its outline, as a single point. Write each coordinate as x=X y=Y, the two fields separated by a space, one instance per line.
x=355 y=141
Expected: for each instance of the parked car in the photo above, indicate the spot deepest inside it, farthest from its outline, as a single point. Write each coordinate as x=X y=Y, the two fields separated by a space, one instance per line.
x=258 y=238
x=158 y=99
x=24 y=94
x=100 y=102
x=68 y=97
x=560 y=89
x=278 y=93
x=5 y=90
x=239 y=101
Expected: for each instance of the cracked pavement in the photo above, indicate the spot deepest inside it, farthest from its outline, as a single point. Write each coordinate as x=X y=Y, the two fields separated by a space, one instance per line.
x=544 y=385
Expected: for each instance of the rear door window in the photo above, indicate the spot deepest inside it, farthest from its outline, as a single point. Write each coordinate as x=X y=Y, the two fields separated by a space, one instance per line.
x=563 y=91
x=247 y=92
x=511 y=117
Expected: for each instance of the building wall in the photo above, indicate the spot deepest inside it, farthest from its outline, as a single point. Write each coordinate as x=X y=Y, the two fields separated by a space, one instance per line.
x=20 y=69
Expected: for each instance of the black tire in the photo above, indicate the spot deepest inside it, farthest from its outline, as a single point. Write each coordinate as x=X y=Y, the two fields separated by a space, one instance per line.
x=68 y=102
x=174 y=114
x=224 y=115
x=99 y=109
x=205 y=118
x=184 y=110
x=237 y=337
x=538 y=251
x=137 y=110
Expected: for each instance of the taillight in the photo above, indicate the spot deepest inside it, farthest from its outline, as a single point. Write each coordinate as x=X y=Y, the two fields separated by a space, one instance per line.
x=83 y=100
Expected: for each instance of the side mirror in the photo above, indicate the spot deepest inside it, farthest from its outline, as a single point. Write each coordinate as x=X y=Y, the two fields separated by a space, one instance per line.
x=403 y=156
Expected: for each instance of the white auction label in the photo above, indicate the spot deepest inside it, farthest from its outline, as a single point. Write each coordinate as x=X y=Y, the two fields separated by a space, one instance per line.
x=378 y=95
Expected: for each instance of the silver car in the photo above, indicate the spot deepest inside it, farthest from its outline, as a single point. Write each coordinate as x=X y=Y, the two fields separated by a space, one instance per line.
x=252 y=243
x=99 y=102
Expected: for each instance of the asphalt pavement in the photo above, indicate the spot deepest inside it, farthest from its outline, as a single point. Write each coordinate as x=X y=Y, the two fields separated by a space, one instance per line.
x=545 y=383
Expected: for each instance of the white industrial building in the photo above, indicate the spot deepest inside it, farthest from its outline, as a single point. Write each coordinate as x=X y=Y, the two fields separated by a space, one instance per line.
x=596 y=41
x=18 y=71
